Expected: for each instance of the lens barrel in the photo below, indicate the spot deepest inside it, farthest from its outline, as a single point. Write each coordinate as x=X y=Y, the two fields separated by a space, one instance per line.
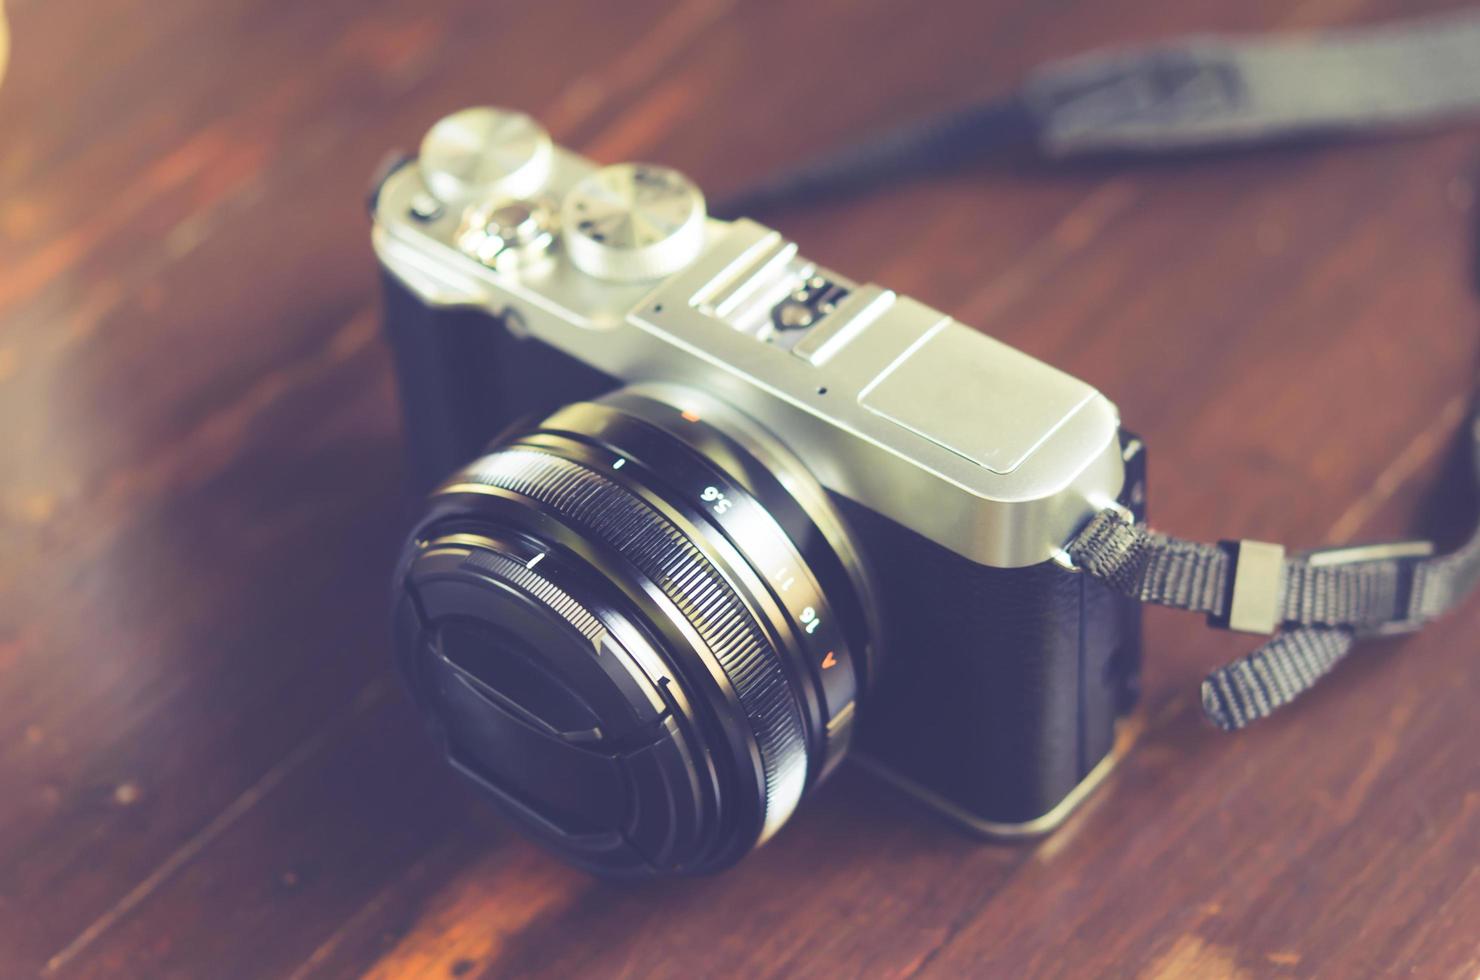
x=640 y=627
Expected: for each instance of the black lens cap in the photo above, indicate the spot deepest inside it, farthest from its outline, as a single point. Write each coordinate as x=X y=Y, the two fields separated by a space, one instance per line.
x=539 y=699
x=640 y=628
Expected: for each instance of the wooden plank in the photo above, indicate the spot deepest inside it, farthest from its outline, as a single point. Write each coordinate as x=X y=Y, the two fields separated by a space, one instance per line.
x=205 y=767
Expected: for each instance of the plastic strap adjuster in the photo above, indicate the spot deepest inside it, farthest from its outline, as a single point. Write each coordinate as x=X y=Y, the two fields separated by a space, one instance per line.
x=1256 y=587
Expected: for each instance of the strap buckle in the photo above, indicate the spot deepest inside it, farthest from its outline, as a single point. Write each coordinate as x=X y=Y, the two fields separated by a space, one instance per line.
x=1256 y=587
x=1260 y=580
x=1408 y=556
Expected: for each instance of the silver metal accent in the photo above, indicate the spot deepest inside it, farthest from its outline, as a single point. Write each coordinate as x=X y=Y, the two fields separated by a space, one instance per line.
x=1258 y=578
x=633 y=221
x=1064 y=560
x=425 y=207
x=747 y=297
x=508 y=234
x=485 y=152
x=859 y=309
x=1060 y=436
x=974 y=396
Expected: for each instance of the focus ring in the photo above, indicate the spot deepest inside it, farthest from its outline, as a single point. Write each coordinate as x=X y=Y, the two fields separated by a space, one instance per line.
x=664 y=554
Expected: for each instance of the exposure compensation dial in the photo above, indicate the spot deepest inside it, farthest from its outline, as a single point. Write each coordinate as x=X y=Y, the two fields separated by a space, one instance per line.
x=633 y=221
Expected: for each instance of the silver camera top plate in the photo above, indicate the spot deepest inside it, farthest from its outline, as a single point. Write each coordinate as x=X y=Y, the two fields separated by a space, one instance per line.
x=973 y=444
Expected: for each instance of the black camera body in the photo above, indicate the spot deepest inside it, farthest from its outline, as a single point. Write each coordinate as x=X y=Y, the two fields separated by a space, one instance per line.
x=716 y=377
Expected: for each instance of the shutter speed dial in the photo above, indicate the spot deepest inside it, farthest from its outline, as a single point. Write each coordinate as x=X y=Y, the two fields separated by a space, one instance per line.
x=484 y=153
x=633 y=221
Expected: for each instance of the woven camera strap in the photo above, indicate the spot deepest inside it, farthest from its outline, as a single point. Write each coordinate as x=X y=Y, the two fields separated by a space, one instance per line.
x=1194 y=94
x=1323 y=601
x=1203 y=94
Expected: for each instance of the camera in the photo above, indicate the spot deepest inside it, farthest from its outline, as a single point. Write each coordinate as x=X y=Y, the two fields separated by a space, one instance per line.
x=704 y=518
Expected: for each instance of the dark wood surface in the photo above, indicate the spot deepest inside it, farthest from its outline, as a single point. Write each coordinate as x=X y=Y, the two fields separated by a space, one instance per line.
x=206 y=768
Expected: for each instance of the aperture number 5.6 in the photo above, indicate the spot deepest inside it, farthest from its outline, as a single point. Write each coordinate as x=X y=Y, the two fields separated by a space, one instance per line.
x=716 y=497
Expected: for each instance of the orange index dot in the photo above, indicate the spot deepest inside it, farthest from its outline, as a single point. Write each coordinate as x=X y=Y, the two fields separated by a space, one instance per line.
x=689 y=415
x=829 y=660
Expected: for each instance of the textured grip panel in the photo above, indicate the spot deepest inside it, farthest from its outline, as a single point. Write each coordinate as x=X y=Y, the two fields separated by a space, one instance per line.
x=665 y=555
x=1000 y=687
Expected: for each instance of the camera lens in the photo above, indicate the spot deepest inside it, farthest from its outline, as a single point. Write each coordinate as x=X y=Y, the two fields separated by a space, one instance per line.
x=640 y=628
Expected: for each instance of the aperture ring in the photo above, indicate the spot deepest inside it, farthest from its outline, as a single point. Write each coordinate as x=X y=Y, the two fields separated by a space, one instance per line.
x=664 y=554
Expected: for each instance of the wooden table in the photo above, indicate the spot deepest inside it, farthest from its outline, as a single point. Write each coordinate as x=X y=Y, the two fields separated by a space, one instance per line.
x=206 y=767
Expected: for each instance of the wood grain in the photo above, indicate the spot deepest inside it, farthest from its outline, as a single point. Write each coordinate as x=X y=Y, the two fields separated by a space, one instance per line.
x=206 y=769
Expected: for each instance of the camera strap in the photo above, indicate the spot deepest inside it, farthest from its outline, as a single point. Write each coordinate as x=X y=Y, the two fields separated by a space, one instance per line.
x=1321 y=601
x=1201 y=94
x=1194 y=94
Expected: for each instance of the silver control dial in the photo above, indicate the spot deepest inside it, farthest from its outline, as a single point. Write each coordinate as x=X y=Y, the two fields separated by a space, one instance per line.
x=484 y=152
x=633 y=221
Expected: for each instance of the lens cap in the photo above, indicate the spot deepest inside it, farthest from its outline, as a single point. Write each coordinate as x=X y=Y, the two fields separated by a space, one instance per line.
x=538 y=702
x=634 y=628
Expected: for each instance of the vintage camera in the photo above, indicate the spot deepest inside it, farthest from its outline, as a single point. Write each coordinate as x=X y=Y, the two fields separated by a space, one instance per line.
x=703 y=508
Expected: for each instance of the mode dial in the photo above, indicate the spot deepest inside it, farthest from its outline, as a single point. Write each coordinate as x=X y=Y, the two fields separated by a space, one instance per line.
x=483 y=153
x=633 y=221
